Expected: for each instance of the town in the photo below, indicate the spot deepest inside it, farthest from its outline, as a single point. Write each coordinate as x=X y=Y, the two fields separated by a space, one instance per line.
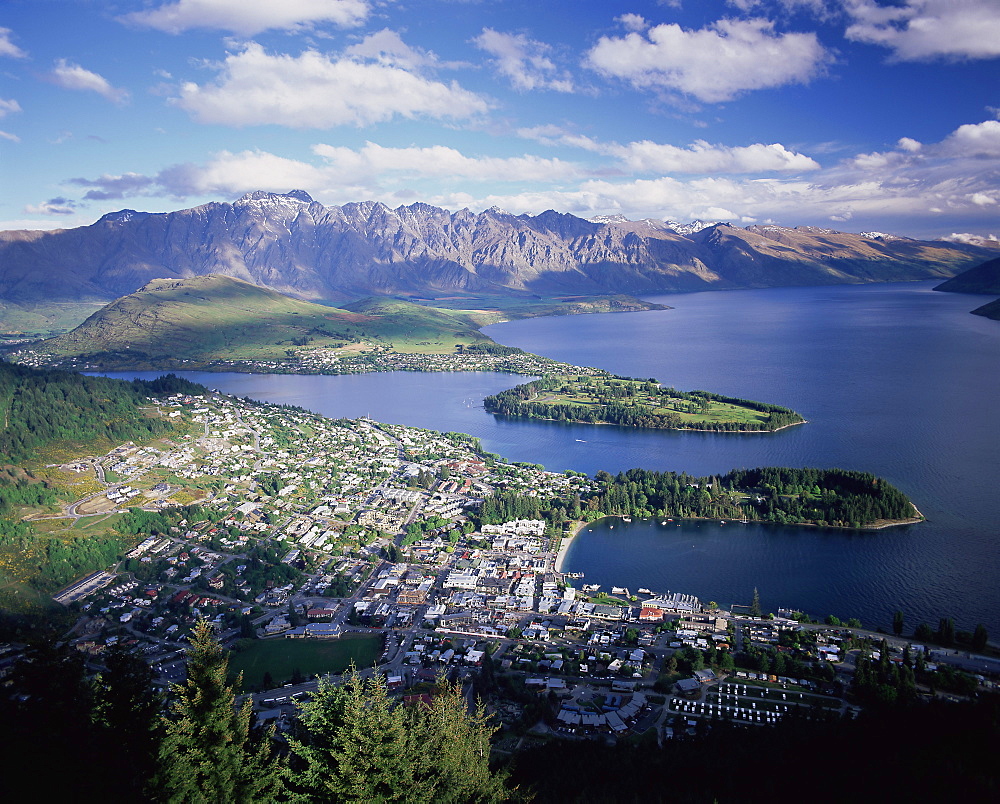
x=277 y=524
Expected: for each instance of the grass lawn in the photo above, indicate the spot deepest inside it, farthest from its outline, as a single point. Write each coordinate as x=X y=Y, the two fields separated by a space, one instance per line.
x=281 y=657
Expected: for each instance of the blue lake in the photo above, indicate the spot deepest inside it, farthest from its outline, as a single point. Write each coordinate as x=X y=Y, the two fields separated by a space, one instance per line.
x=894 y=379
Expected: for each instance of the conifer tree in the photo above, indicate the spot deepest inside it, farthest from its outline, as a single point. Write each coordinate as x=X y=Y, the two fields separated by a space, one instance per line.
x=208 y=754
x=358 y=746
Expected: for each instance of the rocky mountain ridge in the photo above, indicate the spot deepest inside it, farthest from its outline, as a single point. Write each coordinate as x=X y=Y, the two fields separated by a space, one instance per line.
x=292 y=244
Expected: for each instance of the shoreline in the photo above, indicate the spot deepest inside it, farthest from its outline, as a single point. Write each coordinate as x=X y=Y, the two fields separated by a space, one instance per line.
x=565 y=543
x=661 y=429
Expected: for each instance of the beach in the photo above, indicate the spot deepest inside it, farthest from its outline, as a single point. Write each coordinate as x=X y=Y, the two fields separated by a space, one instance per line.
x=565 y=543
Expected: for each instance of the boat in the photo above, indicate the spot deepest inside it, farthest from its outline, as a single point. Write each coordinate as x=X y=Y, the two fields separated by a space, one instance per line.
x=626 y=519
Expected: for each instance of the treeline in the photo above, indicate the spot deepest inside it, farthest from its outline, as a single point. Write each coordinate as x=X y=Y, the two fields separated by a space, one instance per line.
x=352 y=744
x=832 y=497
x=486 y=348
x=619 y=407
x=41 y=407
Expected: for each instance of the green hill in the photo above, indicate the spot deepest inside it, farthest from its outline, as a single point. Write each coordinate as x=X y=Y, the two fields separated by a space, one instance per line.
x=194 y=322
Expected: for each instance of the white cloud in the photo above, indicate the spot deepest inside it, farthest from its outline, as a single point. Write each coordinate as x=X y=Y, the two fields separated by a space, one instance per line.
x=523 y=61
x=9 y=106
x=713 y=64
x=972 y=239
x=907 y=189
x=373 y=161
x=250 y=17
x=976 y=140
x=916 y=30
x=343 y=173
x=632 y=22
x=72 y=76
x=230 y=174
x=387 y=47
x=6 y=135
x=8 y=48
x=702 y=157
x=313 y=90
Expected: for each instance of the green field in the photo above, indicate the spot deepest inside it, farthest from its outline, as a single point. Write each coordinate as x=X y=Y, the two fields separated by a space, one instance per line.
x=282 y=657
x=593 y=392
x=629 y=402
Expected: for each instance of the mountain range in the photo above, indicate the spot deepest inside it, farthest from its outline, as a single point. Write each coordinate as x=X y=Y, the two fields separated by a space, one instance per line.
x=297 y=246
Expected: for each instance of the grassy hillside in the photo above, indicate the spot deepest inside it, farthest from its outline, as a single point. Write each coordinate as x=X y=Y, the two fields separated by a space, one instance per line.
x=191 y=323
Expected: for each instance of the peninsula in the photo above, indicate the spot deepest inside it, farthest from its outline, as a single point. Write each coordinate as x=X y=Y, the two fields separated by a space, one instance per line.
x=630 y=402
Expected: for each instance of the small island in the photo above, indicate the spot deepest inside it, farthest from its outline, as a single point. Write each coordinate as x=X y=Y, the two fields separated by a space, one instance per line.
x=630 y=402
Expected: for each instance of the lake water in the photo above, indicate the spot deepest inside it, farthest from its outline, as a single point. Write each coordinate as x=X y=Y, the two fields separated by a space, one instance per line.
x=893 y=379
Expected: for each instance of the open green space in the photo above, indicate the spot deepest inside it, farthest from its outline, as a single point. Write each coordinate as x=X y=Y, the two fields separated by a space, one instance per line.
x=608 y=399
x=282 y=657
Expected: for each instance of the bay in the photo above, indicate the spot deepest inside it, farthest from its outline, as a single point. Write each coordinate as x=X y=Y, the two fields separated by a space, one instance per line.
x=894 y=379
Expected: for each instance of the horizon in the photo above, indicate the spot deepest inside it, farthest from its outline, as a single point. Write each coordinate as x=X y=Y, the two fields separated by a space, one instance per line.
x=850 y=115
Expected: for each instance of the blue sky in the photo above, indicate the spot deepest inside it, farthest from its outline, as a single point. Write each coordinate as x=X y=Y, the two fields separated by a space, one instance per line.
x=856 y=115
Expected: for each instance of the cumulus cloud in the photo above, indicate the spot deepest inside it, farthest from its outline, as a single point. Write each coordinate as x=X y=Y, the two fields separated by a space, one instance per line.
x=712 y=64
x=72 y=76
x=230 y=174
x=703 y=157
x=7 y=47
x=632 y=22
x=372 y=161
x=917 y=30
x=250 y=17
x=523 y=61
x=387 y=47
x=976 y=140
x=700 y=156
x=314 y=90
x=372 y=170
x=911 y=187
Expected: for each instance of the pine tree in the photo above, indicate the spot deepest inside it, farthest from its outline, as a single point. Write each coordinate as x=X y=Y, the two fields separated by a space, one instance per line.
x=208 y=755
x=453 y=750
x=357 y=746
x=755 y=609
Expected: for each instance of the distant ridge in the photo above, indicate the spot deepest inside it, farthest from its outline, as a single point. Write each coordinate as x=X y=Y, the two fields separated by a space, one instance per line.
x=290 y=243
x=984 y=278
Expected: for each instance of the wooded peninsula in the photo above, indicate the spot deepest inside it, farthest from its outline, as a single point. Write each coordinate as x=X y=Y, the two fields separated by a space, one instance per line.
x=630 y=402
x=779 y=495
